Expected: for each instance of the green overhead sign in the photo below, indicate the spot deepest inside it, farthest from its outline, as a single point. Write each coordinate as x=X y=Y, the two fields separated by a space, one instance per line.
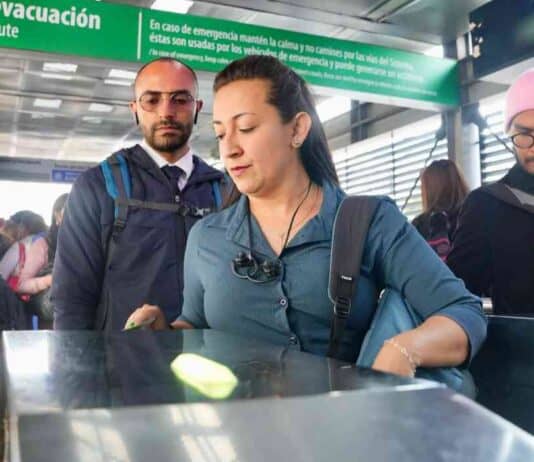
x=127 y=33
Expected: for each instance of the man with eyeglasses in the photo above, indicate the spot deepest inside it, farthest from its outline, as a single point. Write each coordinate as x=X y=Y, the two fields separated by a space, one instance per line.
x=493 y=249
x=125 y=227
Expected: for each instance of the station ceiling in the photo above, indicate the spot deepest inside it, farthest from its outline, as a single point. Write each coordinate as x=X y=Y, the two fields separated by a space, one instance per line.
x=93 y=118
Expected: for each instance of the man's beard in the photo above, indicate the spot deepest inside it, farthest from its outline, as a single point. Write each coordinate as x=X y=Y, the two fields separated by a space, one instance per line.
x=168 y=142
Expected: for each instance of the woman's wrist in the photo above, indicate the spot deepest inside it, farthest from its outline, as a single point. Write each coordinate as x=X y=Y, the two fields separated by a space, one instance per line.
x=412 y=359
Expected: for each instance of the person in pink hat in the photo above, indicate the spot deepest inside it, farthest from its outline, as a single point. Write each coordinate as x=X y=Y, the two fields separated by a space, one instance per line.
x=493 y=249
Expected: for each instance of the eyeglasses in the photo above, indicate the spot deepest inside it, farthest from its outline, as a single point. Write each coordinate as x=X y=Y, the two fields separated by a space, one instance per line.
x=523 y=140
x=178 y=100
x=246 y=266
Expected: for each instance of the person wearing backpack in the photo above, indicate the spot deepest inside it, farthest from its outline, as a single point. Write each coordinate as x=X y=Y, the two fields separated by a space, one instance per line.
x=20 y=225
x=28 y=230
x=493 y=249
x=25 y=230
x=261 y=266
x=125 y=227
x=443 y=190
x=36 y=278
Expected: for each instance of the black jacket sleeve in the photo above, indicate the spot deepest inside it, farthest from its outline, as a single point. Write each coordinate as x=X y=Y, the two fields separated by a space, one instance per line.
x=79 y=264
x=471 y=258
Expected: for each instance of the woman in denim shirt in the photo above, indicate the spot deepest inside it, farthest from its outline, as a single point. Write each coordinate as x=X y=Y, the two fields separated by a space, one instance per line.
x=260 y=267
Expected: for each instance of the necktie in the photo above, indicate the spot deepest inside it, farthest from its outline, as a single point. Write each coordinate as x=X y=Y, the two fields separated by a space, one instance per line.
x=173 y=173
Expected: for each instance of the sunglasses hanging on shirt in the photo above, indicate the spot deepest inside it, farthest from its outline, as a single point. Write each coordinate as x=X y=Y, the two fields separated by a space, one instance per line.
x=246 y=266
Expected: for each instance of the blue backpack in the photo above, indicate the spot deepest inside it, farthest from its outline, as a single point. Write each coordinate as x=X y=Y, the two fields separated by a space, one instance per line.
x=393 y=314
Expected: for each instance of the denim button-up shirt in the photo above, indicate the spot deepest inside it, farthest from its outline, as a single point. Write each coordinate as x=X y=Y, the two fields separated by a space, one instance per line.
x=294 y=309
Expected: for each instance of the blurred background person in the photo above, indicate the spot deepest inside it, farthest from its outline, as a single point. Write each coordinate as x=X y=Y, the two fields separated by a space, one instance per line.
x=24 y=223
x=23 y=228
x=39 y=302
x=16 y=236
x=25 y=260
x=443 y=190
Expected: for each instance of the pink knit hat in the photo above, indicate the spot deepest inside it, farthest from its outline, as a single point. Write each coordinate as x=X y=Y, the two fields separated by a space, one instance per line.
x=519 y=98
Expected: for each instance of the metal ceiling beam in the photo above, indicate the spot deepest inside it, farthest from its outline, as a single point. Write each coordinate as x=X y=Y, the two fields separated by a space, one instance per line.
x=361 y=24
x=397 y=9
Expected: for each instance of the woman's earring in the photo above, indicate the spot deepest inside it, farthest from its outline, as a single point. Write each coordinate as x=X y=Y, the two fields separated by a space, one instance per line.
x=296 y=143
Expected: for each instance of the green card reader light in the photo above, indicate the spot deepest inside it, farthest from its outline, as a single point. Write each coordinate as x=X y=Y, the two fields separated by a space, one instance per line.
x=208 y=377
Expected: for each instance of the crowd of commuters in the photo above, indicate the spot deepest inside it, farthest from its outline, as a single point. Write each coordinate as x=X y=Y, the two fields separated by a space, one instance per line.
x=132 y=244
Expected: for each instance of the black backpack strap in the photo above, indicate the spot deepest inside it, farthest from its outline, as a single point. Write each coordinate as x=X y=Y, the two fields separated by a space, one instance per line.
x=180 y=208
x=348 y=239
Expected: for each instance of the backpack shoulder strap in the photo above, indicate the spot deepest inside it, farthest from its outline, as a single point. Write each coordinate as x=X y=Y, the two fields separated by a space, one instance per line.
x=348 y=239
x=499 y=191
x=118 y=186
x=512 y=197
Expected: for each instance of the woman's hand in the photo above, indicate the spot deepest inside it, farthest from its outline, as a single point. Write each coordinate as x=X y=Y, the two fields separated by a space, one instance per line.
x=438 y=342
x=143 y=315
x=394 y=358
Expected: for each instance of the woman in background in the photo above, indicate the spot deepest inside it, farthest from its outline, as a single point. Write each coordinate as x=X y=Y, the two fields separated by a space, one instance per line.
x=443 y=190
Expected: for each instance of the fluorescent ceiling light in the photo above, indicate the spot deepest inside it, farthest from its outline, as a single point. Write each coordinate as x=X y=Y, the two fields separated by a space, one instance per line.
x=120 y=74
x=48 y=103
x=173 y=6
x=92 y=120
x=97 y=107
x=43 y=115
x=332 y=107
x=48 y=75
x=123 y=83
x=59 y=67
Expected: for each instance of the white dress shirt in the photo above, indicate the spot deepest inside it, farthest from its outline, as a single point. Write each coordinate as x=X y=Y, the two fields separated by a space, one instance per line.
x=185 y=162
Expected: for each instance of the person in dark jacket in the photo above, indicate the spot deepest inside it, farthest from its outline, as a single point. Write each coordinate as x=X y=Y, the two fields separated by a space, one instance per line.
x=493 y=250
x=443 y=190
x=104 y=266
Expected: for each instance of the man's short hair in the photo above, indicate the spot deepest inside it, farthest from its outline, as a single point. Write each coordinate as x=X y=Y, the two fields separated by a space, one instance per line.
x=165 y=60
